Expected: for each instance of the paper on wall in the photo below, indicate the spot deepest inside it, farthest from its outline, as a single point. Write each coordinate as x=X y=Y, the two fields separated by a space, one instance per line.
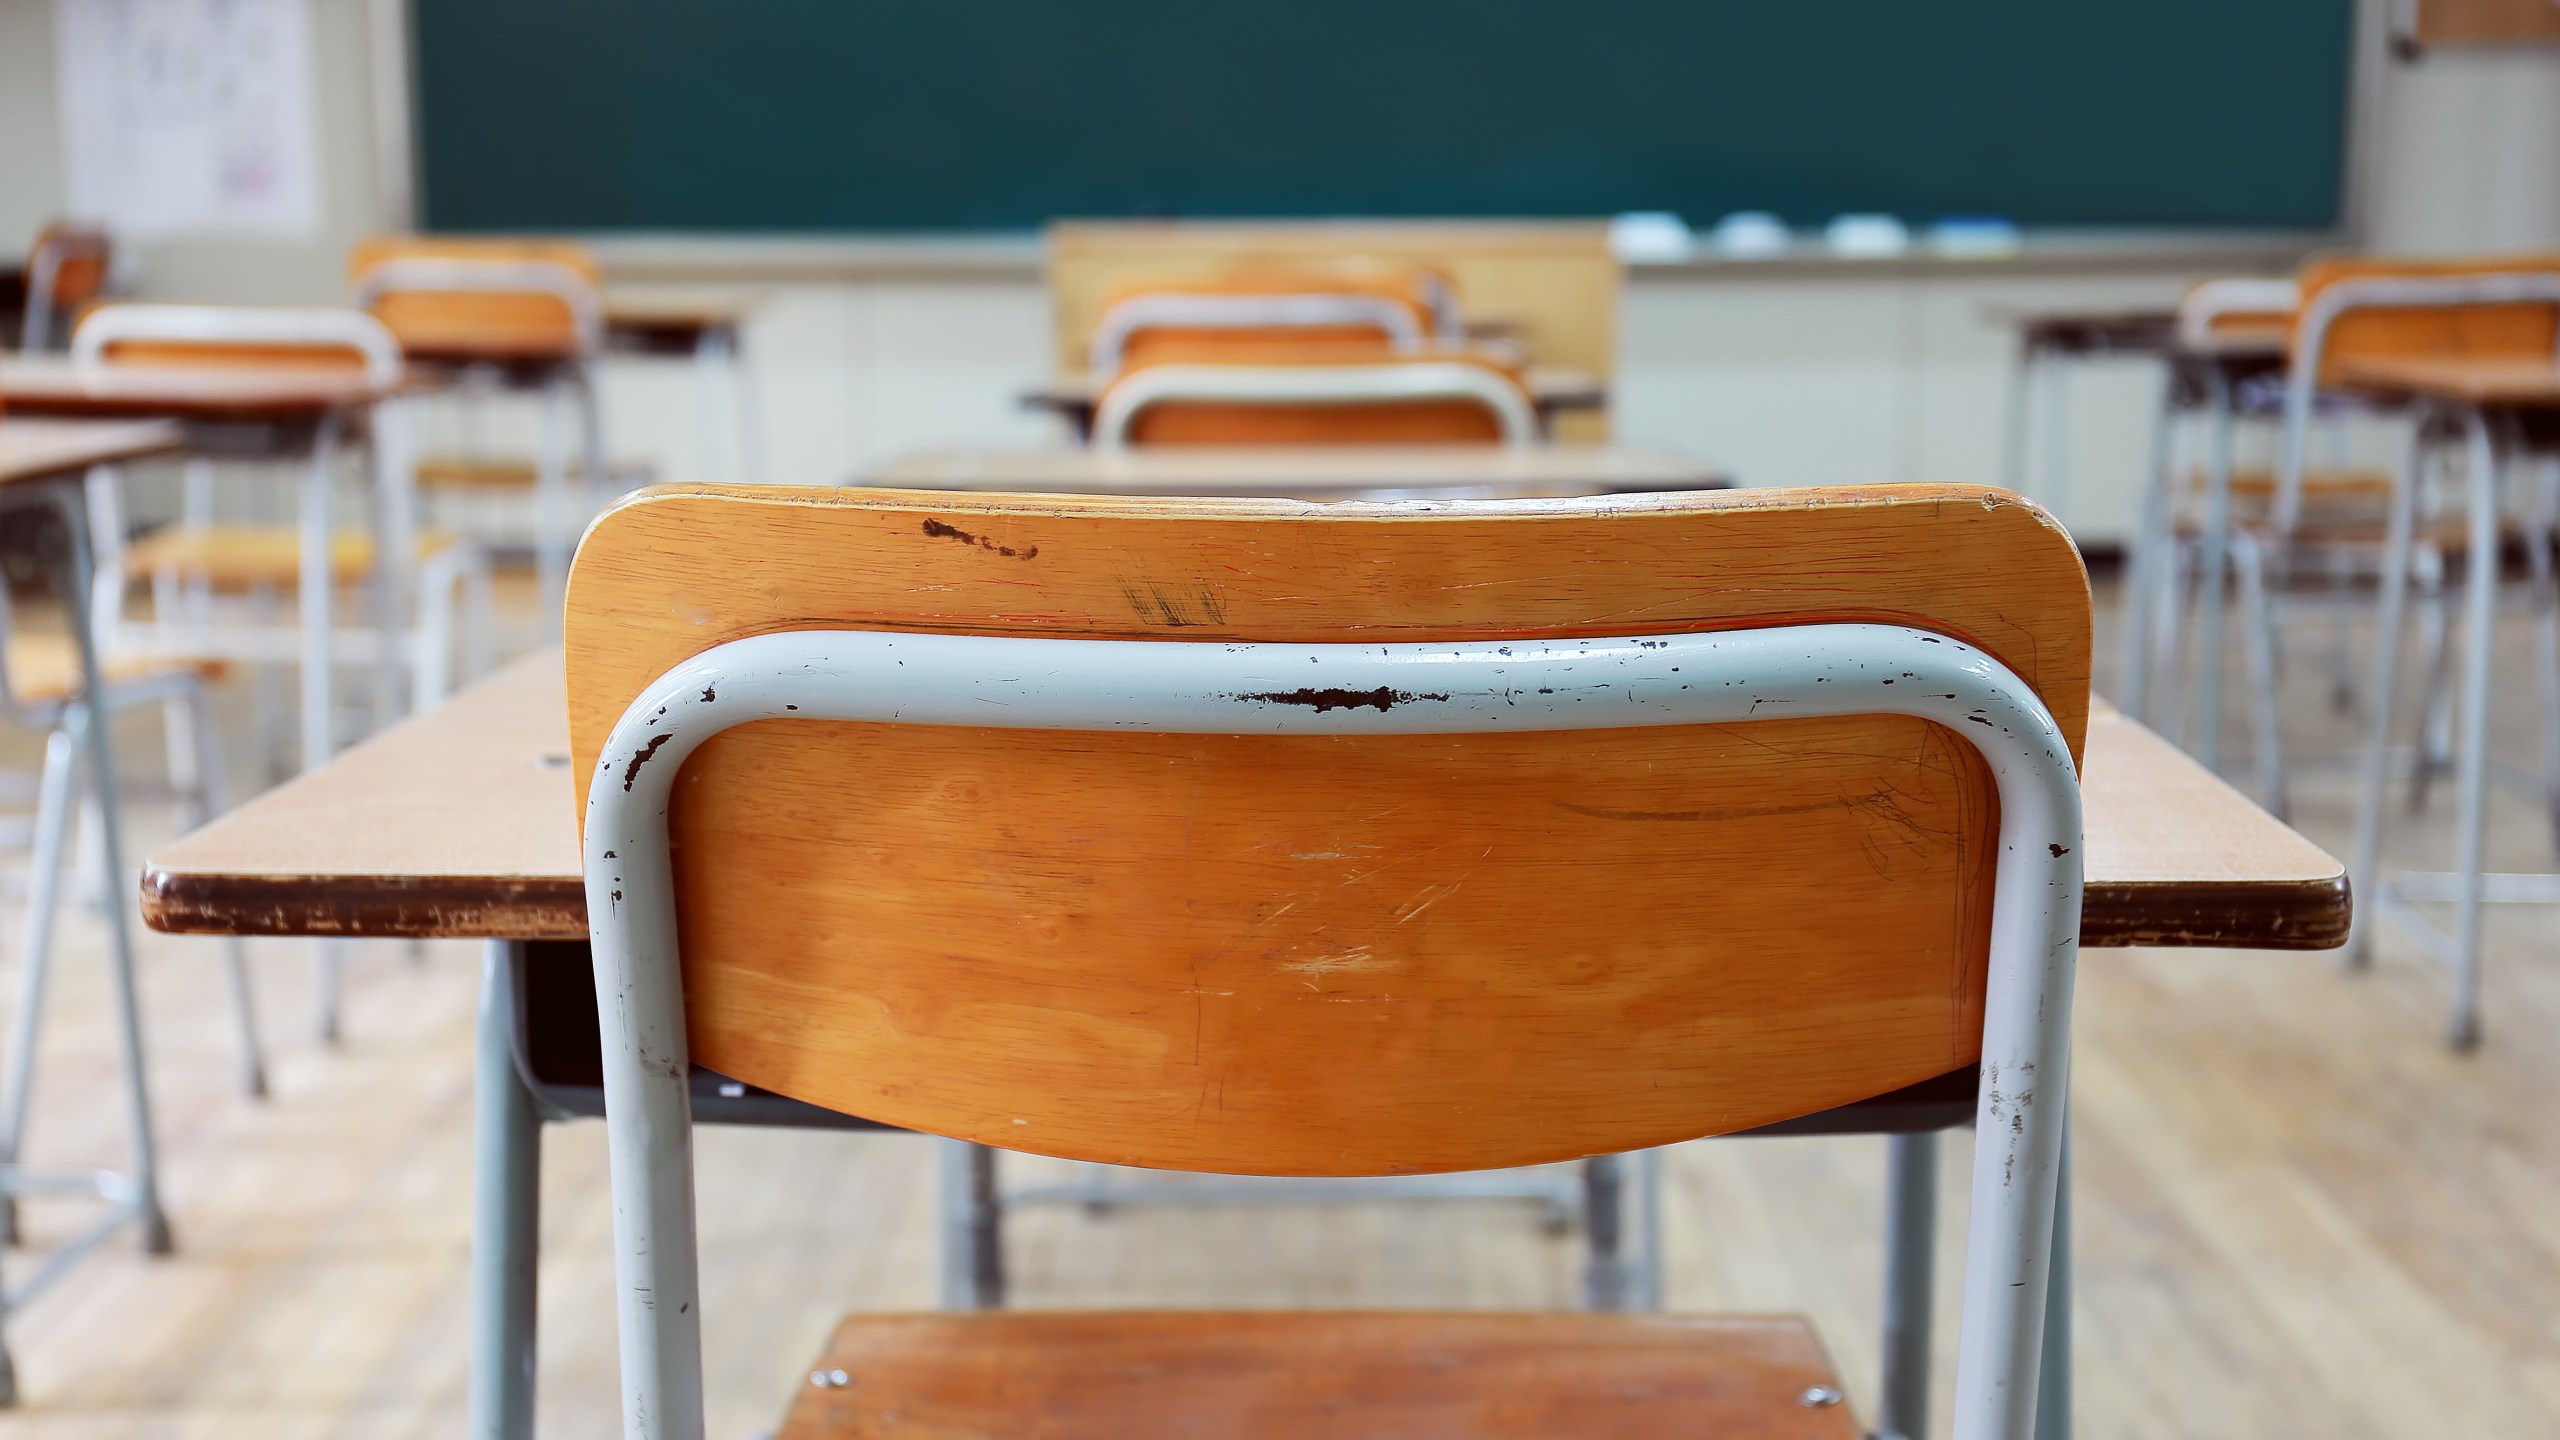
x=189 y=117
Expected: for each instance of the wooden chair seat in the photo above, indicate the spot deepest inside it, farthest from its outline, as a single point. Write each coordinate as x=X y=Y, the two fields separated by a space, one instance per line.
x=463 y=472
x=235 y=556
x=45 y=669
x=1034 y=1376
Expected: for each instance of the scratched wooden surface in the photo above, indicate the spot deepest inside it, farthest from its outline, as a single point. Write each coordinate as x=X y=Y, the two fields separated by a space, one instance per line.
x=2298 y=1215
x=1151 y=948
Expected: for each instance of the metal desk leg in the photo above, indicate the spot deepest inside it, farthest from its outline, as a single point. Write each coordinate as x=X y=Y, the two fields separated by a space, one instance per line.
x=78 y=581
x=1910 y=1283
x=2053 y=1387
x=972 y=1228
x=1604 y=1278
x=2481 y=599
x=506 y=1209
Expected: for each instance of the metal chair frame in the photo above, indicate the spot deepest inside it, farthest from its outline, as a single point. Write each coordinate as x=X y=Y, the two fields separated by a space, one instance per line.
x=1319 y=310
x=417 y=608
x=567 y=381
x=2468 y=886
x=1730 y=677
x=1358 y=384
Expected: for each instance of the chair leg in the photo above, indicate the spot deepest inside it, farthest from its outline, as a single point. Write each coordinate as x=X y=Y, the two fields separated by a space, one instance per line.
x=57 y=794
x=2481 y=599
x=192 y=730
x=2546 y=613
x=1604 y=1280
x=972 y=1228
x=1910 y=1284
x=2435 y=695
x=431 y=653
x=2364 y=866
x=2249 y=557
x=2169 y=647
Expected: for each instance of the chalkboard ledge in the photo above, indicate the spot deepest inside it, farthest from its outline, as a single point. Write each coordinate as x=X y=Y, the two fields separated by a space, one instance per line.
x=654 y=258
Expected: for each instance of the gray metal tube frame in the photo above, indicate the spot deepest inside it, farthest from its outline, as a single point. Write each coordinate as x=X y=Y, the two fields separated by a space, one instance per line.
x=1209 y=688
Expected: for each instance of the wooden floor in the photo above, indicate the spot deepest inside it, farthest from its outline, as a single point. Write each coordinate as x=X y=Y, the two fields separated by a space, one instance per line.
x=2298 y=1214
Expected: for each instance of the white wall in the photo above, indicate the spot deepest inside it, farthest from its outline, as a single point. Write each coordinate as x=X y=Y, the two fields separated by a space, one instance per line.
x=1789 y=375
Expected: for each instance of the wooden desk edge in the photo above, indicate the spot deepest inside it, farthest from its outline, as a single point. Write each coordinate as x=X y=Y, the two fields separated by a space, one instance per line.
x=2309 y=914
x=182 y=902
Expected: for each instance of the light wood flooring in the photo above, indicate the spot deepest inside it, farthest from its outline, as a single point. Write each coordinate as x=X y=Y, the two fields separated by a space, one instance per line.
x=2298 y=1214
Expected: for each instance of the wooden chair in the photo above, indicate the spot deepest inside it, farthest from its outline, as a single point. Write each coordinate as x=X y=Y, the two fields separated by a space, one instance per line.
x=1279 y=838
x=2473 y=308
x=66 y=270
x=1396 y=311
x=433 y=599
x=503 y=315
x=1315 y=395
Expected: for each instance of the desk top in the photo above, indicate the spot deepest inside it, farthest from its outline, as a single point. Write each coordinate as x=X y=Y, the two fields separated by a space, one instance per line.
x=1550 y=387
x=669 y=327
x=52 y=385
x=2090 y=332
x=1308 y=471
x=460 y=823
x=2507 y=383
x=39 y=449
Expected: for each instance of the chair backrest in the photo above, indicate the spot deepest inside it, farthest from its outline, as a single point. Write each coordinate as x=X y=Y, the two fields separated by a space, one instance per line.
x=1255 y=308
x=1598 y=942
x=2217 y=311
x=237 y=336
x=66 y=269
x=470 y=299
x=1551 y=286
x=1313 y=396
x=1290 y=838
x=2358 y=307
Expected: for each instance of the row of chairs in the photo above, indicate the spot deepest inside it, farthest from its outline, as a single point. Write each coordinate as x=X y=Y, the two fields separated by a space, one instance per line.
x=2307 y=529
x=1354 y=352
x=425 y=318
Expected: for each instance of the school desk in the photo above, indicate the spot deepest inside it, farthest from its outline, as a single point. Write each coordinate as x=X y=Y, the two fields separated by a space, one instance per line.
x=460 y=824
x=239 y=411
x=711 y=333
x=1307 y=471
x=1552 y=389
x=42 y=462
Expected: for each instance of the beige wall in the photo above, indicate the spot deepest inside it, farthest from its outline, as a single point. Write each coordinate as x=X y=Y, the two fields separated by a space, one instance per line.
x=1790 y=374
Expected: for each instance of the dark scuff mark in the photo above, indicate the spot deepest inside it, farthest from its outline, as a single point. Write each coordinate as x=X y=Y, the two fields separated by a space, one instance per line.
x=633 y=773
x=941 y=531
x=1381 y=699
x=2059 y=850
x=709 y=694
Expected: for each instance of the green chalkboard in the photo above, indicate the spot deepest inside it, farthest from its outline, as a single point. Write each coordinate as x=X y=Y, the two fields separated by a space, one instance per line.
x=850 y=115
